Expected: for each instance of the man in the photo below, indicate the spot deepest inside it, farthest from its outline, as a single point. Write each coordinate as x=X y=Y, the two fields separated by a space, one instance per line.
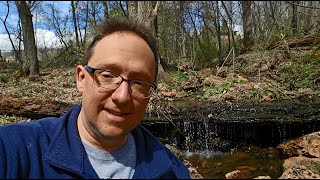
x=101 y=138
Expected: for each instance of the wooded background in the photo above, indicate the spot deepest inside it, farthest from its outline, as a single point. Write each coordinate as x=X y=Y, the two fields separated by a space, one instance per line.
x=197 y=34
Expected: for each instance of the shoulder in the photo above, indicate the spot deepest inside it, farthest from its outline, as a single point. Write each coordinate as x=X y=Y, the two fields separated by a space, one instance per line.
x=25 y=141
x=41 y=127
x=23 y=130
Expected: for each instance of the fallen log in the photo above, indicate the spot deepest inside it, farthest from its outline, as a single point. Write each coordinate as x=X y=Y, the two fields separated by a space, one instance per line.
x=192 y=88
x=299 y=42
x=32 y=108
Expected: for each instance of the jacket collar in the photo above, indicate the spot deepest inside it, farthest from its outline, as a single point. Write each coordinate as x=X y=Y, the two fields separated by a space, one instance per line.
x=152 y=159
x=66 y=150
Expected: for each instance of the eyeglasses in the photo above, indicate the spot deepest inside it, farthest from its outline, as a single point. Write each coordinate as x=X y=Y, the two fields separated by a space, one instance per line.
x=110 y=81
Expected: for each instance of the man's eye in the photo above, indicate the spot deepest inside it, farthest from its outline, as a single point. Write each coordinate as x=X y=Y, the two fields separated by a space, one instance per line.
x=107 y=75
x=138 y=83
x=141 y=84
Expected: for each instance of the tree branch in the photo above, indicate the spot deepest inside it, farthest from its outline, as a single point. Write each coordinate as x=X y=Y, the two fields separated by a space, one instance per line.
x=302 y=5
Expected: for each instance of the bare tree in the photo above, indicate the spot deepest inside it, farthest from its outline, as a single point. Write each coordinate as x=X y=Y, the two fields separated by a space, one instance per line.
x=58 y=23
x=273 y=11
x=229 y=9
x=31 y=64
x=132 y=8
x=75 y=24
x=85 y=19
x=294 y=22
x=4 y=21
x=308 y=18
x=247 y=24
x=169 y=24
x=217 y=23
x=94 y=9
x=106 y=9
x=146 y=12
x=181 y=28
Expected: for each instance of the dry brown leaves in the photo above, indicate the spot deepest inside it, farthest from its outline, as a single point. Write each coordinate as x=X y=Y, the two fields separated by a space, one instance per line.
x=54 y=85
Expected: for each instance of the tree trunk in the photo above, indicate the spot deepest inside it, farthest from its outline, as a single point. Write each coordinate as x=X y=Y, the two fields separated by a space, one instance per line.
x=308 y=18
x=132 y=8
x=146 y=12
x=93 y=14
x=218 y=34
x=106 y=9
x=181 y=27
x=83 y=42
x=31 y=64
x=247 y=24
x=229 y=9
x=272 y=14
x=74 y=18
x=294 y=23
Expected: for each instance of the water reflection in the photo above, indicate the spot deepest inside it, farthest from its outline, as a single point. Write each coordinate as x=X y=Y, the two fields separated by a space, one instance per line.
x=215 y=164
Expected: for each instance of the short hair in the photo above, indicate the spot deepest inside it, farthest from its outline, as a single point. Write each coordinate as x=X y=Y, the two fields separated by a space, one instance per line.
x=124 y=25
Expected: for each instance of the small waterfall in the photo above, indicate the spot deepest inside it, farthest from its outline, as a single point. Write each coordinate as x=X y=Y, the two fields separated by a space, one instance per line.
x=188 y=132
x=210 y=130
x=206 y=137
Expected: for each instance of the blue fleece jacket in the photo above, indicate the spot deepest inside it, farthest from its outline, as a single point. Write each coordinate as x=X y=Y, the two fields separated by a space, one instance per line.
x=51 y=148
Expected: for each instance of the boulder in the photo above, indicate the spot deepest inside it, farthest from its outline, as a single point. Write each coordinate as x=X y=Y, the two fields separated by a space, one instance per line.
x=301 y=168
x=192 y=170
x=307 y=145
x=303 y=155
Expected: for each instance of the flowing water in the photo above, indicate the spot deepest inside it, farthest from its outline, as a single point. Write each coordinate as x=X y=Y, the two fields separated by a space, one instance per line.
x=214 y=165
x=218 y=139
x=217 y=149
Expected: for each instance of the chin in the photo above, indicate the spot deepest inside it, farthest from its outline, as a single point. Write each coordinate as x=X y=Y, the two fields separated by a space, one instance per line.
x=113 y=132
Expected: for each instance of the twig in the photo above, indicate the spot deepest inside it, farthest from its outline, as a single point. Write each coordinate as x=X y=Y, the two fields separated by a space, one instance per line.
x=224 y=61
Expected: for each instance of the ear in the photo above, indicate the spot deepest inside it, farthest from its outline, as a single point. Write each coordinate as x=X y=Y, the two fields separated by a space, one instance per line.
x=80 y=78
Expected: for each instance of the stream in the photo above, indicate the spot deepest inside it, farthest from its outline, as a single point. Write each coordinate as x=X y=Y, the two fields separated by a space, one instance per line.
x=220 y=138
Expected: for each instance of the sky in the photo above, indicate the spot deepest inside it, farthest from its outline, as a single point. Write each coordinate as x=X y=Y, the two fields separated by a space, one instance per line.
x=43 y=36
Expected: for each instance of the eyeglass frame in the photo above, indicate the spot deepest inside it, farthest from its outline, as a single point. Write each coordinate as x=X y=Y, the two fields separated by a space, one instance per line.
x=93 y=70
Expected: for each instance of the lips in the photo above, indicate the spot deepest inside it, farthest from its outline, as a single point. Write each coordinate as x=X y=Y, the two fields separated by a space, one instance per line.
x=116 y=113
x=115 y=116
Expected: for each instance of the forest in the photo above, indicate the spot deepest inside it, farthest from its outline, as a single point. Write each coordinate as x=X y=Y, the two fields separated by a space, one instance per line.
x=220 y=51
x=211 y=52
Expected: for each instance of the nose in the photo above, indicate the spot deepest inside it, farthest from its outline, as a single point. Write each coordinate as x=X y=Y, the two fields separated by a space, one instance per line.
x=122 y=93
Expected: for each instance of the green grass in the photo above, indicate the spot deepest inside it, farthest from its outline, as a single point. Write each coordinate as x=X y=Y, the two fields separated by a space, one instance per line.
x=301 y=73
x=4 y=78
x=225 y=86
x=179 y=76
x=6 y=119
x=269 y=91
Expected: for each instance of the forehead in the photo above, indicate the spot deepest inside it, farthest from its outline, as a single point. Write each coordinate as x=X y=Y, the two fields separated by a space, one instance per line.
x=123 y=40
x=125 y=53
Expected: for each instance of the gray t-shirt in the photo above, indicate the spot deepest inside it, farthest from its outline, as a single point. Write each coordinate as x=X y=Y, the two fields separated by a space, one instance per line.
x=115 y=165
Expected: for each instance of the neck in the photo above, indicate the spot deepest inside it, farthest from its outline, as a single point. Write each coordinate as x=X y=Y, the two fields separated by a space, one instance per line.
x=98 y=141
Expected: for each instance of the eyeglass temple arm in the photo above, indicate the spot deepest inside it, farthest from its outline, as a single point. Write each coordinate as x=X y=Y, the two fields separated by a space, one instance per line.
x=90 y=69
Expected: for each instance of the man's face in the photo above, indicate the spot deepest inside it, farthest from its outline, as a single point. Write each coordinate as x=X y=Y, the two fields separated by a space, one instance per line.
x=111 y=115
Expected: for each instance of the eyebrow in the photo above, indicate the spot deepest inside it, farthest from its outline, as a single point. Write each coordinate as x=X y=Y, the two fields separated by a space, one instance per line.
x=108 y=66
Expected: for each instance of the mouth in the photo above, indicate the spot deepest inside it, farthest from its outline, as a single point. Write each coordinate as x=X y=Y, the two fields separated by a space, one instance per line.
x=116 y=113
